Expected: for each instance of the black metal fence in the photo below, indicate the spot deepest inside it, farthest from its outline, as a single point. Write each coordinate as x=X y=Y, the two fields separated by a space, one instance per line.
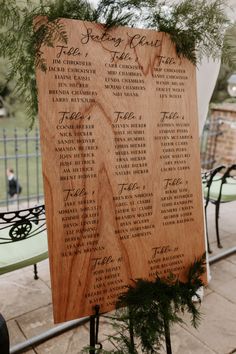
x=20 y=152
x=211 y=132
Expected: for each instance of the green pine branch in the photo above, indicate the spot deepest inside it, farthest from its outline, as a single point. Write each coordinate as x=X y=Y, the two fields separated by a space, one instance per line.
x=147 y=306
x=195 y=26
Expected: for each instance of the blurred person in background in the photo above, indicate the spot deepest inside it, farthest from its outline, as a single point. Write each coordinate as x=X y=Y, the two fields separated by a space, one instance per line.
x=14 y=187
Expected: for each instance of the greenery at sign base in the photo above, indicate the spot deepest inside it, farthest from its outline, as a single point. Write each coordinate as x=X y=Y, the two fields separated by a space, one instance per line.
x=195 y=26
x=149 y=307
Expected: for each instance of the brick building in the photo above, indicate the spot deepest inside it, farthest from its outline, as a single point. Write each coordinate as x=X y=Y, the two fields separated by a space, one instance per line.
x=219 y=139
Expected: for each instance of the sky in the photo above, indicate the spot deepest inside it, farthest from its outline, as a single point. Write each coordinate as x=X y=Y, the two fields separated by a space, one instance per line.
x=94 y=2
x=231 y=9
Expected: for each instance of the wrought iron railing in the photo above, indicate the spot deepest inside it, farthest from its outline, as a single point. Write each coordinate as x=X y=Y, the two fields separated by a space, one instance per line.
x=19 y=224
x=20 y=152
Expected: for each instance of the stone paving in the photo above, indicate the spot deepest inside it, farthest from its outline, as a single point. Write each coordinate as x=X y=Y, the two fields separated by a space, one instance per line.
x=26 y=305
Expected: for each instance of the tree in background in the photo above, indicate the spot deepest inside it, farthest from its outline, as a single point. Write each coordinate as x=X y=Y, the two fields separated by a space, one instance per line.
x=11 y=102
x=220 y=93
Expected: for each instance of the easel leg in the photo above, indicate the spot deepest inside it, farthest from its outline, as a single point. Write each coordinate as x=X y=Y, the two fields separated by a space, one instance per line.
x=167 y=337
x=4 y=337
x=94 y=326
x=92 y=334
x=131 y=331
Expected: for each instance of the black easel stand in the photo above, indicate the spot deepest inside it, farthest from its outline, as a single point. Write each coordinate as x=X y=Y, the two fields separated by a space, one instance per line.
x=94 y=326
x=167 y=337
x=4 y=337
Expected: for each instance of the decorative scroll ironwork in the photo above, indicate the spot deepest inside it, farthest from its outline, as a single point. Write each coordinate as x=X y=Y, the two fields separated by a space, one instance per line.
x=19 y=224
x=213 y=176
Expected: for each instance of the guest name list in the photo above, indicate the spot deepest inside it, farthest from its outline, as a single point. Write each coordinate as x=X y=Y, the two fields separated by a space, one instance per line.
x=121 y=166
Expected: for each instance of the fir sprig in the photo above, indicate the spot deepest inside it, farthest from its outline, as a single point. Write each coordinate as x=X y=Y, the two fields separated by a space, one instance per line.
x=195 y=26
x=24 y=36
x=148 y=307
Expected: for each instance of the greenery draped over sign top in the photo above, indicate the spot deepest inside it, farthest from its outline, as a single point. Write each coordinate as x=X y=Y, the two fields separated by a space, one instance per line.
x=196 y=27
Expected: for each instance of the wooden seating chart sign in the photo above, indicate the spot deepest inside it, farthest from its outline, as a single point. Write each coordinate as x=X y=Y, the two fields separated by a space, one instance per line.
x=121 y=167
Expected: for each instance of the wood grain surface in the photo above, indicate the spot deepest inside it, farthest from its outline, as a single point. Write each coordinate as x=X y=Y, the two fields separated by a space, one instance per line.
x=121 y=168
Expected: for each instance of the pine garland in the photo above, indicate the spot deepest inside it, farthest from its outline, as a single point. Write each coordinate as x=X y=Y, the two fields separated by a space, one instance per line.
x=148 y=306
x=22 y=39
x=196 y=28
